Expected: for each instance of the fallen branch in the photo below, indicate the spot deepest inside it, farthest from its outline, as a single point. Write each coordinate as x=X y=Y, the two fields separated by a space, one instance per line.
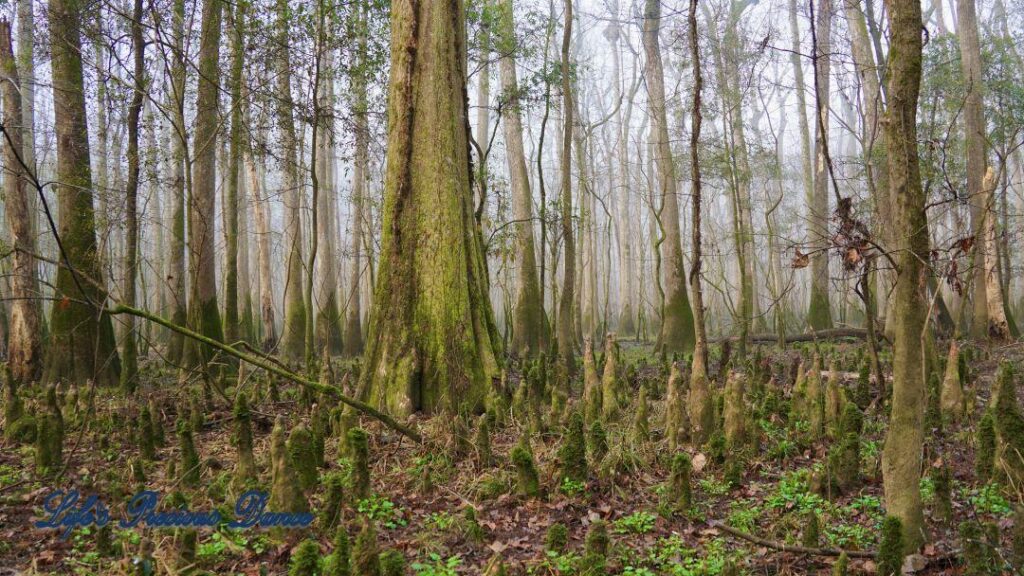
x=787 y=548
x=832 y=334
x=272 y=368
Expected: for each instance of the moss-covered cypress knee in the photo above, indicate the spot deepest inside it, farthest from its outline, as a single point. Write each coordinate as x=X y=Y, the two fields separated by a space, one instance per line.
x=841 y=566
x=334 y=500
x=245 y=468
x=471 y=526
x=811 y=535
x=285 y=491
x=305 y=560
x=595 y=550
x=49 y=443
x=392 y=563
x=190 y=469
x=573 y=452
x=591 y=383
x=338 y=562
x=1017 y=537
x=1009 y=427
x=952 y=396
x=147 y=439
x=641 y=418
x=359 y=451
x=700 y=405
x=483 y=442
x=978 y=554
x=610 y=393
x=943 y=482
x=597 y=443
x=890 y=551
x=557 y=538
x=735 y=412
x=365 y=556
x=680 y=489
x=985 y=448
x=528 y=483
x=677 y=420
x=300 y=449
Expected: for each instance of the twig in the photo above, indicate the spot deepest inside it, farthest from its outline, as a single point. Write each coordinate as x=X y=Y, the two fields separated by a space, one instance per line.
x=787 y=548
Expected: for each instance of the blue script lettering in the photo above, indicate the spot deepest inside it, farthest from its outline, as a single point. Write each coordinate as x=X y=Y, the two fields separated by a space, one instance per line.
x=250 y=511
x=65 y=512
x=142 y=509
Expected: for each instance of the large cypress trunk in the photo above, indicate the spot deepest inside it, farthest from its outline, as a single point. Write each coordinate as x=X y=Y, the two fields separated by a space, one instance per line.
x=24 y=347
x=293 y=334
x=528 y=329
x=902 y=457
x=677 y=333
x=819 y=313
x=82 y=338
x=432 y=343
x=204 y=316
x=353 y=340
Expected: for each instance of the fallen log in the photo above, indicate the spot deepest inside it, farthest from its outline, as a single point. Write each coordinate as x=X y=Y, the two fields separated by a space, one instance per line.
x=831 y=334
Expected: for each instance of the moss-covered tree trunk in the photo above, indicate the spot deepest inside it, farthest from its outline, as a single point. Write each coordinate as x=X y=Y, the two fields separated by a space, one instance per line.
x=293 y=333
x=236 y=25
x=328 y=324
x=353 y=340
x=176 y=276
x=528 y=330
x=819 y=312
x=129 y=348
x=988 y=319
x=902 y=457
x=700 y=350
x=432 y=344
x=82 y=339
x=567 y=301
x=203 y=314
x=265 y=271
x=677 y=334
x=24 y=341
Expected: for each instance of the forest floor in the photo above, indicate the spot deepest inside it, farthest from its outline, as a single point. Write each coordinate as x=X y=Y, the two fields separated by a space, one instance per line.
x=420 y=494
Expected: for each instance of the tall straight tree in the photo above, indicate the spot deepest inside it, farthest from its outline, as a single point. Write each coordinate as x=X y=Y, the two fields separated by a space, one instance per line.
x=204 y=316
x=988 y=320
x=236 y=25
x=567 y=302
x=353 y=339
x=24 y=342
x=129 y=348
x=176 y=275
x=293 y=336
x=432 y=342
x=328 y=324
x=82 y=344
x=677 y=332
x=528 y=323
x=819 y=314
x=902 y=457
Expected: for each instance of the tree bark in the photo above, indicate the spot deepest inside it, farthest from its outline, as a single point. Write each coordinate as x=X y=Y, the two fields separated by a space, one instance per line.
x=432 y=341
x=328 y=325
x=677 y=332
x=353 y=340
x=24 y=341
x=566 y=303
x=236 y=25
x=819 y=313
x=204 y=315
x=82 y=344
x=528 y=333
x=293 y=334
x=176 y=275
x=902 y=456
x=261 y=211
x=988 y=320
x=129 y=348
